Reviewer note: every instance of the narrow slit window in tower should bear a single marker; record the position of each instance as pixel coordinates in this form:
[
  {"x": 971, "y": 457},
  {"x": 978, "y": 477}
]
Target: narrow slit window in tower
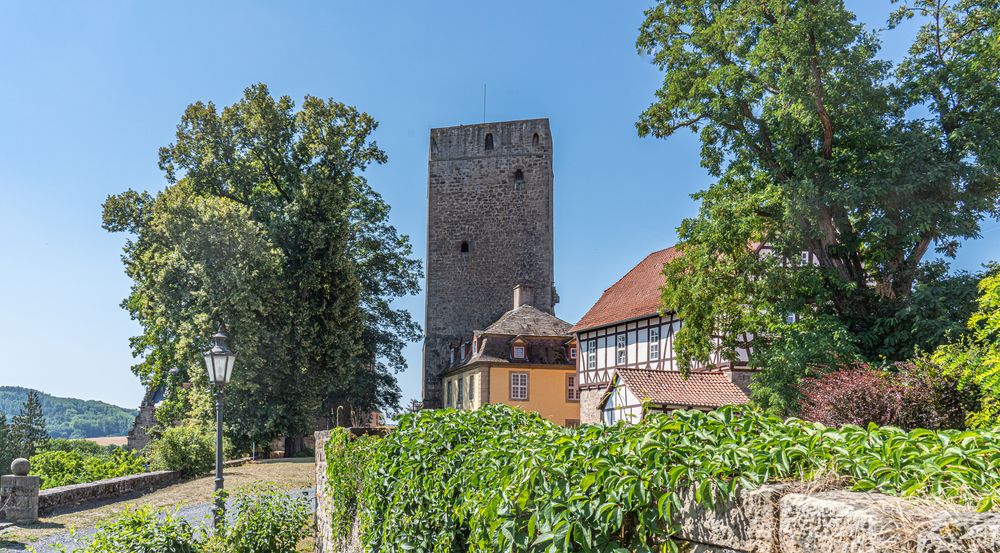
[
  {"x": 518, "y": 179},
  {"x": 534, "y": 140},
  {"x": 489, "y": 141},
  {"x": 464, "y": 249}
]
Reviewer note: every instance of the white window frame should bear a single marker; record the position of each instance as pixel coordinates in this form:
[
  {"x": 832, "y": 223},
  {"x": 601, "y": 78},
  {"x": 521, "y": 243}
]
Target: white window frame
[
  {"x": 572, "y": 352},
  {"x": 621, "y": 349},
  {"x": 475, "y": 346},
  {"x": 518, "y": 390},
  {"x": 654, "y": 343},
  {"x": 592, "y": 354}
]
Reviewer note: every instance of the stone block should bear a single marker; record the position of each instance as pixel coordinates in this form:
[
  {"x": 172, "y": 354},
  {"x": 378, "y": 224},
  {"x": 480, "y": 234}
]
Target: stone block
[
  {"x": 951, "y": 532},
  {"x": 747, "y": 522},
  {"x": 19, "y": 498},
  {"x": 847, "y": 522}
]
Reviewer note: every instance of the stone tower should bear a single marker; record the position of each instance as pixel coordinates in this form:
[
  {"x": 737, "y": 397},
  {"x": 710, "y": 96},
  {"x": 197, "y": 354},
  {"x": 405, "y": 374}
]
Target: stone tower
[{"x": 489, "y": 229}]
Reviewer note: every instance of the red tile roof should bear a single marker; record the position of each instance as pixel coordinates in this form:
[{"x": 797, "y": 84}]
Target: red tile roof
[
  {"x": 637, "y": 294},
  {"x": 701, "y": 389}
]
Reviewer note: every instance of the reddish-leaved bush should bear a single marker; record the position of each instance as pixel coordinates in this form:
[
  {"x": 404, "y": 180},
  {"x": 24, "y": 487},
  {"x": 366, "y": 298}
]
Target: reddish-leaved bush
[{"x": 905, "y": 394}]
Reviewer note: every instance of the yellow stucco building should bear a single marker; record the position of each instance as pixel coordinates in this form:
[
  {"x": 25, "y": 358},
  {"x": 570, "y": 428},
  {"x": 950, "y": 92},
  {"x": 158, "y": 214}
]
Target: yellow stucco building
[{"x": 525, "y": 359}]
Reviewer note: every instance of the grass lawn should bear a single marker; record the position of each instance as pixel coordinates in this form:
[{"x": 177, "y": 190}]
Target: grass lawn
[{"x": 290, "y": 473}]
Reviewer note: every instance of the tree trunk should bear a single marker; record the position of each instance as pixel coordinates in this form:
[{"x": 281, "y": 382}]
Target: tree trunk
[{"x": 293, "y": 446}]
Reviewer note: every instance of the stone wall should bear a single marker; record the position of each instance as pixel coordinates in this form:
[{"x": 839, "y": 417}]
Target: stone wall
[
  {"x": 785, "y": 519},
  {"x": 112, "y": 489},
  {"x": 590, "y": 403},
  {"x": 64, "y": 497},
  {"x": 498, "y": 203}
]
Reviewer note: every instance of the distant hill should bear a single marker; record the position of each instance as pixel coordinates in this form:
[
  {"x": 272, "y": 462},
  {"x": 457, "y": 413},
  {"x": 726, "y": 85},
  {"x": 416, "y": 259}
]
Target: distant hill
[{"x": 71, "y": 418}]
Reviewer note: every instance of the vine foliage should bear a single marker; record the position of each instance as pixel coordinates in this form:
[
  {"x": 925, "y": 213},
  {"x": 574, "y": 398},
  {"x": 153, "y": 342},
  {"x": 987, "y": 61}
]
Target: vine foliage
[{"x": 499, "y": 479}]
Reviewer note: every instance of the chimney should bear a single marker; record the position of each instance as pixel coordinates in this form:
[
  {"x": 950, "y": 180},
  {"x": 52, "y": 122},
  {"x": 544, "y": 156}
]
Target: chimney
[{"x": 523, "y": 295}]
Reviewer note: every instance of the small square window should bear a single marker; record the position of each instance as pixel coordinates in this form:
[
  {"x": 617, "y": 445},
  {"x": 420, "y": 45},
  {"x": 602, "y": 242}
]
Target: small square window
[{"x": 519, "y": 352}]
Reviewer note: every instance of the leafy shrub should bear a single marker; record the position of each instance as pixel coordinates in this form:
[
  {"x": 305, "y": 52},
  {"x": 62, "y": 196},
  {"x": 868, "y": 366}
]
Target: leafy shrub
[
  {"x": 975, "y": 359},
  {"x": 907, "y": 395},
  {"x": 498, "y": 479},
  {"x": 62, "y": 468},
  {"x": 267, "y": 520},
  {"x": 140, "y": 530},
  {"x": 188, "y": 449}
]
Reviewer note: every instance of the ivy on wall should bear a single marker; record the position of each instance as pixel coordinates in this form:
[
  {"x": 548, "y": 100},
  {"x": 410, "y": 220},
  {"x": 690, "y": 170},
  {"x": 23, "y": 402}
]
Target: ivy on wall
[{"x": 500, "y": 479}]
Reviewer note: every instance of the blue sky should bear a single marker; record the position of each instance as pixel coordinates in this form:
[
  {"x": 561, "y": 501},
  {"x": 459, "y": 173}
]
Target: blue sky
[{"x": 92, "y": 89}]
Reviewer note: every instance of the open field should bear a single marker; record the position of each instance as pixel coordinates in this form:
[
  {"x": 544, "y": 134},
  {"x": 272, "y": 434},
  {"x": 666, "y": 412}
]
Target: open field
[{"x": 191, "y": 498}]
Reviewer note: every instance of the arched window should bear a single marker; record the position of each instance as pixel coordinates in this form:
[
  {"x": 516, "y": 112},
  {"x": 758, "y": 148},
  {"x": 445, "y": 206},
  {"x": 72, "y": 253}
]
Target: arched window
[
  {"x": 518, "y": 179},
  {"x": 464, "y": 248},
  {"x": 489, "y": 141},
  {"x": 534, "y": 140}
]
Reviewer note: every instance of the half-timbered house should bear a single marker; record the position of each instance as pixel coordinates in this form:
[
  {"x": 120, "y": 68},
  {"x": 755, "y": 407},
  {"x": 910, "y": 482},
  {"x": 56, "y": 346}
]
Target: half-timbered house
[{"x": 626, "y": 347}]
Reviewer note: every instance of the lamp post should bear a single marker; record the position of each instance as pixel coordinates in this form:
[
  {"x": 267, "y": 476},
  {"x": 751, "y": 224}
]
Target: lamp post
[{"x": 219, "y": 361}]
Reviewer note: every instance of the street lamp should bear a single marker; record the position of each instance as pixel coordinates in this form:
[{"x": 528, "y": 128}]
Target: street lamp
[{"x": 219, "y": 361}]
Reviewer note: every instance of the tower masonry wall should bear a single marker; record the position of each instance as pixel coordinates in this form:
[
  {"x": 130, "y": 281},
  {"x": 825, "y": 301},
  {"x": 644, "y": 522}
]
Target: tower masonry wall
[{"x": 489, "y": 228}]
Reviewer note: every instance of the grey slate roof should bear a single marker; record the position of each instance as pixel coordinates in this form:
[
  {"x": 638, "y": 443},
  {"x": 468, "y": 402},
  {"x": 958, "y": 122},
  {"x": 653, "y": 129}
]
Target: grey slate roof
[{"x": 527, "y": 320}]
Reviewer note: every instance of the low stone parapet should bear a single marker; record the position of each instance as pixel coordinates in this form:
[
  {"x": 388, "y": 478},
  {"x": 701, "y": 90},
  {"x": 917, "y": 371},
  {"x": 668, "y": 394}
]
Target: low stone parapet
[{"x": 63, "y": 497}]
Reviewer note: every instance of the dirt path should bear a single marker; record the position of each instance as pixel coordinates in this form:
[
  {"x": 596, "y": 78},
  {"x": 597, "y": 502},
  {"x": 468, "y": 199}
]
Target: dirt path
[{"x": 192, "y": 499}]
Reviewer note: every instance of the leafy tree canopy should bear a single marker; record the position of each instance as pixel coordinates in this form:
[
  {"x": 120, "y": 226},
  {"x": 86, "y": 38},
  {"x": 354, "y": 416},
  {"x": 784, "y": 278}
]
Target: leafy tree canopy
[
  {"x": 267, "y": 224},
  {"x": 818, "y": 145}
]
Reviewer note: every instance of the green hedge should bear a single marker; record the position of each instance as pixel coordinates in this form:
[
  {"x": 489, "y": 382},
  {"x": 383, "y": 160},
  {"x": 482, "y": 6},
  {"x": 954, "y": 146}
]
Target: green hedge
[
  {"x": 499, "y": 479},
  {"x": 62, "y": 467}
]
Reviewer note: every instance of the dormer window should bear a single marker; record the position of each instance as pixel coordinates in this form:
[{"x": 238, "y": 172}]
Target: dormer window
[
  {"x": 572, "y": 352},
  {"x": 452, "y": 350},
  {"x": 475, "y": 346},
  {"x": 461, "y": 353},
  {"x": 519, "y": 352},
  {"x": 489, "y": 141}
]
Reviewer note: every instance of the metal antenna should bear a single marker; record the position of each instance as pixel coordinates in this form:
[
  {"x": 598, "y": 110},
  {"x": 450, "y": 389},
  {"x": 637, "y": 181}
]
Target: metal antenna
[{"x": 484, "y": 102}]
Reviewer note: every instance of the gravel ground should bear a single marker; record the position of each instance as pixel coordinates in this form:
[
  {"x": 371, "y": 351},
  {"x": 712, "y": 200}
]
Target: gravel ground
[{"x": 199, "y": 515}]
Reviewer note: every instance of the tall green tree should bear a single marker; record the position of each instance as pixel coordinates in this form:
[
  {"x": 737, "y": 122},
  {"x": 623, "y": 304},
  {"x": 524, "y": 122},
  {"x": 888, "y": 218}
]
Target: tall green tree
[
  {"x": 6, "y": 445},
  {"x": 268, "y": 225},
  {"x": 28, "y": 427},
  {"x": 819, "y": 146}
]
